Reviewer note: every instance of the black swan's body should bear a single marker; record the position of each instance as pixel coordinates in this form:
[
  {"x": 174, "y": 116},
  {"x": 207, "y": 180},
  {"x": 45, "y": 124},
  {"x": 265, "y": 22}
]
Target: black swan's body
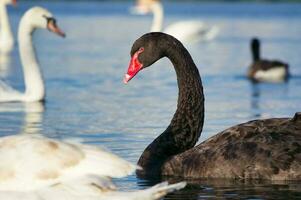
[
  {"x": 261, "y": 149},
  {"x": 266, "y": 70}
]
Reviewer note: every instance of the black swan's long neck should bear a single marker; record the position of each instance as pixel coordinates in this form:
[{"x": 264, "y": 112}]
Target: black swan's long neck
[
  {"x": 187, "y": 123},
  {"x": 255, "y": 48}
]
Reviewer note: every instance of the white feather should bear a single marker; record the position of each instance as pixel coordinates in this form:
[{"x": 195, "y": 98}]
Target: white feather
[
  {"x": 29, "y": 162},
  {"x": 91, "y": 188},
  {"x": 34, "y": 167}
]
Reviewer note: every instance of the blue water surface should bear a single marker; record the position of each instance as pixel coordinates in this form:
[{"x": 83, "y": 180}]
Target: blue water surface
[{"x": 87, "y": 100}]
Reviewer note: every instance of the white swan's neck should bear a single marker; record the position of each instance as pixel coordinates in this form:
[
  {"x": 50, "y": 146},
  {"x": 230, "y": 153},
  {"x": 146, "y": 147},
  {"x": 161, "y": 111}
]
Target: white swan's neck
[
  {"x": 34, "y": 84},
  {"x": 6, "y": 36},
  {"x": 158, "y": 13}
]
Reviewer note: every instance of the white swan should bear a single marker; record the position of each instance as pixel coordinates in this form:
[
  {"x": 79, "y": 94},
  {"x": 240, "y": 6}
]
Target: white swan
[
  {"x": 185, "y": 31},
  {"x": 35, "y": 167},
  {"x": 6, "y": 36},
  {"x": 34, "y": 86}
]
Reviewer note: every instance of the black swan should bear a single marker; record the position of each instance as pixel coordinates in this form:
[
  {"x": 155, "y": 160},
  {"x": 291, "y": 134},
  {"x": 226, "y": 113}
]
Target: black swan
[
  {"x": 260, "y": 149},
  {"x": 266, "y": 70}
]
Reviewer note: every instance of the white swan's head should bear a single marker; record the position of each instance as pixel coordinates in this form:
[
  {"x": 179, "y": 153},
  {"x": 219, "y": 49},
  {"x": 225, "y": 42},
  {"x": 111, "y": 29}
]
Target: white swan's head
[
  {"x": 144, "y": 6},
  {"x": 38, "y": 17},
  {"x": 9, "y": 2}
]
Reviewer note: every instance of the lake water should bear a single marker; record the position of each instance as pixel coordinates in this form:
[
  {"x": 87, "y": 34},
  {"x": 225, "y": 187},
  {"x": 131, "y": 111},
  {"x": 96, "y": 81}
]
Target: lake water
[{"x": 87, "y": 100}]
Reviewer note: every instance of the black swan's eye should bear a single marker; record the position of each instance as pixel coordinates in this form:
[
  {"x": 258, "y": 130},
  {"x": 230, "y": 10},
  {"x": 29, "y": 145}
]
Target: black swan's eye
[{"x": 141, "y": 49}]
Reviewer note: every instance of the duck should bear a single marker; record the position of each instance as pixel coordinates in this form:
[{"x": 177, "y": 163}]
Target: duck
[
  {"x": 35, "y": 167},
  {"x": 262, "y": 70},
  {"x": 190, "y": 31},
  {"x": 267, "y": 149},
  {"x": 35, "y": 18},
  {"x": 6, "y": 36}
]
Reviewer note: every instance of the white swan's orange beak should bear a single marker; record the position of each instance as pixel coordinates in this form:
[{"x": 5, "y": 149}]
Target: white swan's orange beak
[
  {"x": 134, "y": 67},
  {"x": 142, "y": 7},
  {"x": 14, "y": 2},
  {"x": 54, "y": 28},
  {"x": 139, "y": 10}
]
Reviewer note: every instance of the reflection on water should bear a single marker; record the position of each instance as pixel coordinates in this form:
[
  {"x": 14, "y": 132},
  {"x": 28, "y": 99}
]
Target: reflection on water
[
  {"x": 86, "y": 98},
  {"x": 259, "y": 90},
  {"x": 231, "y": 189},
  {"x": 263, "y": 94},
  {"x": 255, "y": 96},
  {"x": 33, "y": 117}
]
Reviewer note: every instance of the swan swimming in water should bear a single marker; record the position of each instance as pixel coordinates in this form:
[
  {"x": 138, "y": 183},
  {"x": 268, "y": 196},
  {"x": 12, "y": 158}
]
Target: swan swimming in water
[
  {"x": 185, "y": 31},
  {"x": 34, "y": 167},
  {"x": 34, "y": 85},
  {"x": 260, "y": 149}
]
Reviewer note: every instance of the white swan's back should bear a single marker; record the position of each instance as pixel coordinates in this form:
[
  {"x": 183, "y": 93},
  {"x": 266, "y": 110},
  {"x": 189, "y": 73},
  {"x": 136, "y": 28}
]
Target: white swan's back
[
  {"x": 29, "y": 162},
  {"x": 34, "y": 167},
  {"x": 191, "y": 31},
  {"x": 185, "y": 31}
]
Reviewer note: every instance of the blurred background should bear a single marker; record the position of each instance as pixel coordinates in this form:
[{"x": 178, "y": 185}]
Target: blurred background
[{"x": 87, "y": 100}]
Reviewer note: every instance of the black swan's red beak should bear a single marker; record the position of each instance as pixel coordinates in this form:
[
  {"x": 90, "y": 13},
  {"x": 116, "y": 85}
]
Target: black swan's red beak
[{"x": 134, "y": 67}]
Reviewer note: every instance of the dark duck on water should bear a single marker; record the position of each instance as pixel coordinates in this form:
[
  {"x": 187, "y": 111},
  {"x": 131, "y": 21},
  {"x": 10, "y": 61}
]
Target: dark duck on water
[{"x": 262, "y": 70}]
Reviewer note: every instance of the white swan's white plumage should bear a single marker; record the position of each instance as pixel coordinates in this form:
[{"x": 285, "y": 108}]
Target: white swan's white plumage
[
  {"x": 191, "y": 31},
  {"x": 29, "y": 162},
  {"x": 5, "y": 63},
  {"x": 91, "y": 187},
  {"x": 35, "y": 167},
  {"x": 185, "y": 31},
  {"x": 6, "y": 35},
  {"x": 33, "y": 19}
]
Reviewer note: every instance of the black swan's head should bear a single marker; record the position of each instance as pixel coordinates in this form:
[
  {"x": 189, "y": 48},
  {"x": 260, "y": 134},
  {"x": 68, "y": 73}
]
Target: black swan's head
[
  {"x": 146, "y": 50},
  {"x": 255, "y": 43}
]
